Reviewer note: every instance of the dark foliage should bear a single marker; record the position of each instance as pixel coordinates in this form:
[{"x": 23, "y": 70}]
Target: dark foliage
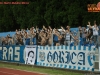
[{"x": 55, "y": 13}]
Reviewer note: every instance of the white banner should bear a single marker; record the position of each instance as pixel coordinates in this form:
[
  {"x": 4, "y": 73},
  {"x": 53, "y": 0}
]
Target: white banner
[
  {"x": 79, "y": 59},
  {"x": 30, "y": 54}
]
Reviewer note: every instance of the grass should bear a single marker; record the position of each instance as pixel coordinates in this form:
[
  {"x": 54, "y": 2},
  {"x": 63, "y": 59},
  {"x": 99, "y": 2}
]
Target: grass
[{"x": 48, "y": 71}]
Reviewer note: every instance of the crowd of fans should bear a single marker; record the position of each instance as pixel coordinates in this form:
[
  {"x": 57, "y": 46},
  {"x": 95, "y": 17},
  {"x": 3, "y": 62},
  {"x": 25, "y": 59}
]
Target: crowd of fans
[{"x": 89, "y": 35}]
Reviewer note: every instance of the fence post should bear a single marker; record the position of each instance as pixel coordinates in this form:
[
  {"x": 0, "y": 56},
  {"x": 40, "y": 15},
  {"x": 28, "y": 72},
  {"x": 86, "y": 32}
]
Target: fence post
[{"x": 96, "y": 62}]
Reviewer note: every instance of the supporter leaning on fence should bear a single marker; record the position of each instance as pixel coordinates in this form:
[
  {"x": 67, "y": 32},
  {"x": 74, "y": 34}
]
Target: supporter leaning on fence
[
  {"x": 55, "y": 37},
  {"x": 95, "y": 32},
  {"x": 67, "y": 36},
  {"x": 98, "y": 39},
  {"x": 90, "y": 34},
  {"x": 80, "y": 31},
  {"x": 49, "y": 37},
  {"x": 4, "y": 41},
  {"x": 84, "y": 35},
  {"x": 33, "y": 37},
  {"x": 62, "y": 36},
  {"x": 8, "y": 40},
  {"x": 75, "y": 40}
]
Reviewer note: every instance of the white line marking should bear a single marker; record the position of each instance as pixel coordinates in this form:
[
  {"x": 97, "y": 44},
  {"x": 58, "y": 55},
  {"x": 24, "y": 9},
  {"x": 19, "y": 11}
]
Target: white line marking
[
  {"x": 8, "y": 73},
  {"x": 24, "y": 70}
]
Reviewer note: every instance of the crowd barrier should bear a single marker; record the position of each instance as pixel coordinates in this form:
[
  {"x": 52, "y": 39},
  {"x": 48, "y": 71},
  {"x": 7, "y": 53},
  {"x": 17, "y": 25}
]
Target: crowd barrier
[{"x": 68, "y": 57}]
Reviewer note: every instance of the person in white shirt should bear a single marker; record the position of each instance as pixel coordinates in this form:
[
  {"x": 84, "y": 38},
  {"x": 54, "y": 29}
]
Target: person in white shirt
[
  {"x": 95, "y": 32},
  {"x": 67, "y": 38}
]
